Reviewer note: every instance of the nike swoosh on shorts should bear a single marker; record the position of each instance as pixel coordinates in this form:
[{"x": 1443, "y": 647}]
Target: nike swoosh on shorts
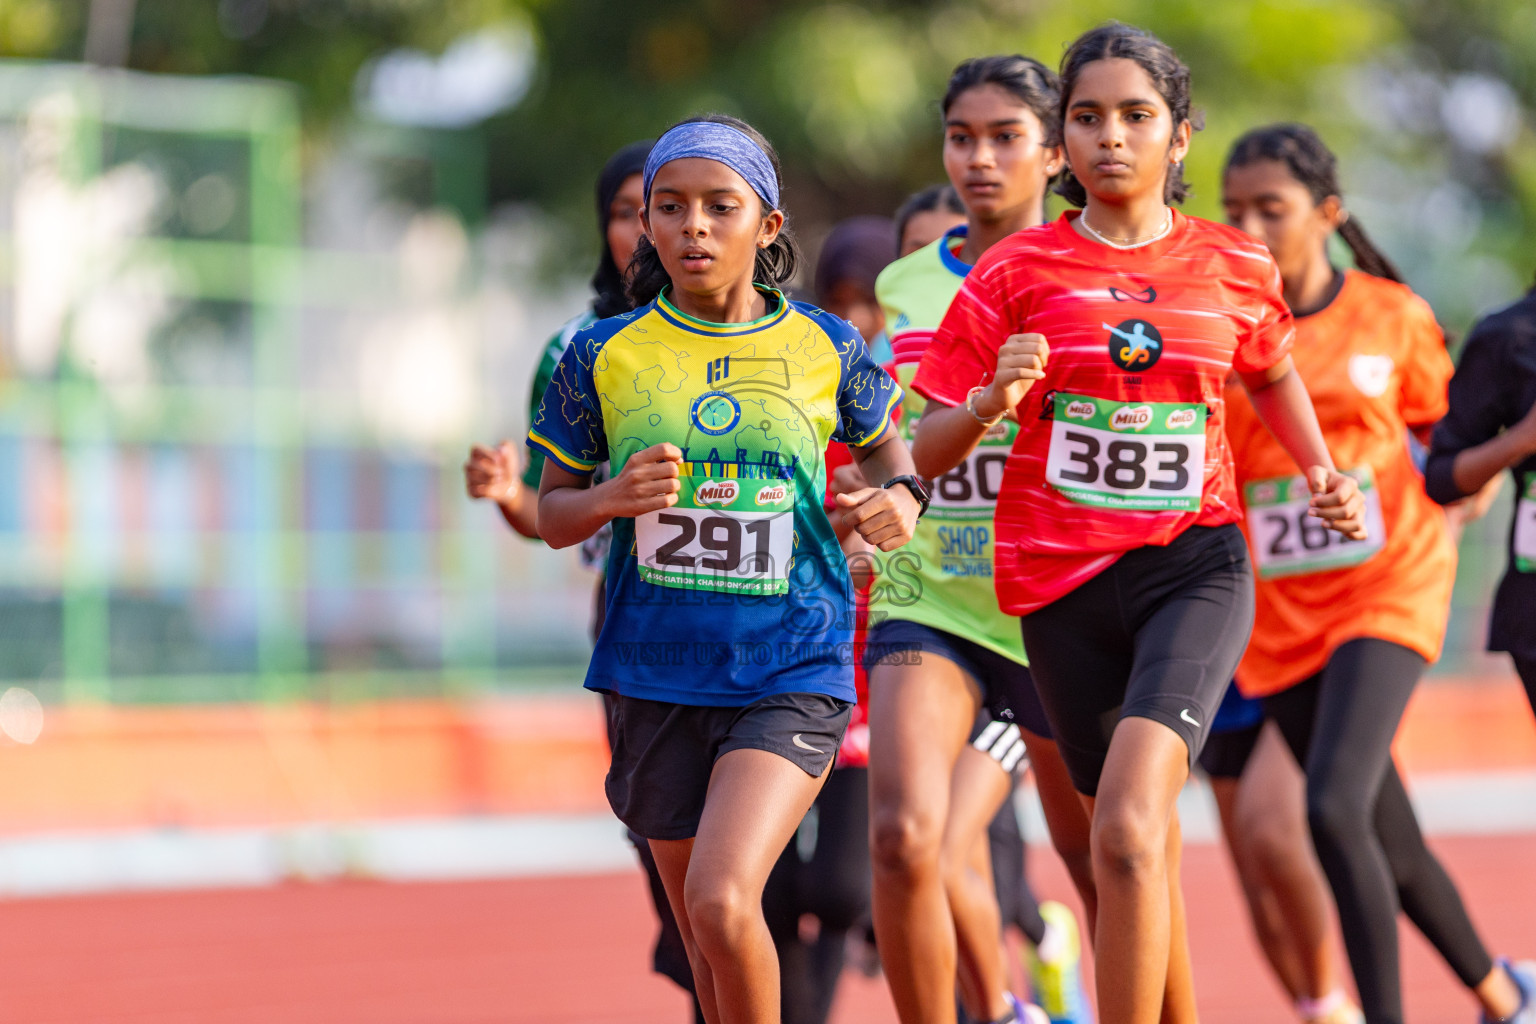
[
  {"x": 803, "y": 745},
  {"x": 1186, "y": 717}
]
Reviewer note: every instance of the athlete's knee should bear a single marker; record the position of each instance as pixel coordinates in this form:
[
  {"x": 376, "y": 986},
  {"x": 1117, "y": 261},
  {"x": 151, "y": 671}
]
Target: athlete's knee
[
  {"x": 1335, "y": 815},
  {"x": 958, "y": 875},
  {"x": 720, "y": 913},
  {"x": 1075, "y": 848},
  {"x": 905, "y": 842},
  {"x": 1128, "y": 844}
]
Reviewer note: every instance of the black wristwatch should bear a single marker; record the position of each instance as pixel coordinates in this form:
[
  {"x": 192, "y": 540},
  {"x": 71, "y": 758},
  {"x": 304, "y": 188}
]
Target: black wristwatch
[{"x": 916, "y": 486}]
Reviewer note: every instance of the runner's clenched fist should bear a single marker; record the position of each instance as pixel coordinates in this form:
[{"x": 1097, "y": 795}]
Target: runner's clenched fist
[
  {"x": 648, "y": 482},
  {"x": 1337, "y": 501},
  {"x": 883, "y": 516},
  {"x": 1020, "y": 362}
]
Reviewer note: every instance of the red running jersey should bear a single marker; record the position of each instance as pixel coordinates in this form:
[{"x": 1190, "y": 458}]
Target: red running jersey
[{"x": 1123, "y": 443}]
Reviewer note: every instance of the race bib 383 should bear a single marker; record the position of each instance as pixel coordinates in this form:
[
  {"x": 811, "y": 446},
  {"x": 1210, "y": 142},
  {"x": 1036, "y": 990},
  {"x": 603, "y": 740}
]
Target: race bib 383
[{"x": 1128, "y": 456}]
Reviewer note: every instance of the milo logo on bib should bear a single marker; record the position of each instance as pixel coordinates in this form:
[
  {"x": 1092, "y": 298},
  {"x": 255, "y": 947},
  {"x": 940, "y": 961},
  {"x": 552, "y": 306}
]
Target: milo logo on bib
[
  {"x": 1127, "y": 456},
  {"x": 731, "y": 534},
  {"x": 1131, "y": 418},
  {"x": 1181, "y": 418},
  {"x": 772, "y": 495},
  {"x": 721, "y": 492}
]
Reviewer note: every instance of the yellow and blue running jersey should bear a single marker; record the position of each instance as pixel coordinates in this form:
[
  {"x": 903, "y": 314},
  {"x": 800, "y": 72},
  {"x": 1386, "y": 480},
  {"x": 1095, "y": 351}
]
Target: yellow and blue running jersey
[{"x": 739, "y": 591}]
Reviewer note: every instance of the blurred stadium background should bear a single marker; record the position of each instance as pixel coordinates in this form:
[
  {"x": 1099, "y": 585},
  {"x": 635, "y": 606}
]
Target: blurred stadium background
[{"x": 269, "y": 267}]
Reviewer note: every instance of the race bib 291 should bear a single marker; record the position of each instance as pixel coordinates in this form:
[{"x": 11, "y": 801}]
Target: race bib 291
[{"x": 724, "y": 534}]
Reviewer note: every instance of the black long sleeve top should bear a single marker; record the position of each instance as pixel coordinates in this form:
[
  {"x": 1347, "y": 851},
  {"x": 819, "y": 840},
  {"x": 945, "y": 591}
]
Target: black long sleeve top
[{"x": 1494, "y": 387}]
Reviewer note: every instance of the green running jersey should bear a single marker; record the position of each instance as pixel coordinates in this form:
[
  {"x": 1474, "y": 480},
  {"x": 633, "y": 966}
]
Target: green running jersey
[{"x": 943, "y": 576}]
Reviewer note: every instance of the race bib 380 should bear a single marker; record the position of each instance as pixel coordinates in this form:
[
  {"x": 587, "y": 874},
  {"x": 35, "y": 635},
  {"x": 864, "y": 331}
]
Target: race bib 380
[
  {"x": 1128, "y": 456},
  {"x": 724, "y": 534}
]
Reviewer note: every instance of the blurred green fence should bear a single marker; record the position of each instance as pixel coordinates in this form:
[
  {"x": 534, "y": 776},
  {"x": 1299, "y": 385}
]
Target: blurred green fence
[{"x": 215, "y": 478}]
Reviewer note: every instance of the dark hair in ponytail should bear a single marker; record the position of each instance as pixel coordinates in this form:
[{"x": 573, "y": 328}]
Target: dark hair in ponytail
[
  {"x": 1169, "y": 75},
  {"x": 1313, "y": 165},
  {"x": 1033, "y": 83},
  {"x": 776, "y": 264}
]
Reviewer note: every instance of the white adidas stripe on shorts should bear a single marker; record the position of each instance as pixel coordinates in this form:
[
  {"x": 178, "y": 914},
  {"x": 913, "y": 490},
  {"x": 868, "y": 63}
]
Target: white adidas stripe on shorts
[{"x": 1003, "y": 743}]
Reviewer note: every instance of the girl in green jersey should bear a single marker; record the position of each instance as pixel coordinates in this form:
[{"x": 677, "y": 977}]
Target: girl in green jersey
[{"x": 950, "y": 694}]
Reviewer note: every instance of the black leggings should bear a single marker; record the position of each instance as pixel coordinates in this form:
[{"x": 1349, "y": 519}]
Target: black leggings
[
  {"x": 1340, "y": 724},
  {"x": 1015, "y": 900}
]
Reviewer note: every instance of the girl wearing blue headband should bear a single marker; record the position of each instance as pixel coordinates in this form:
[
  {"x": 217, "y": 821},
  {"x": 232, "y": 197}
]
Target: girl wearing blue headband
[
  {"x": 727, "y": 644},
  {"x": 748, "y": 162}
]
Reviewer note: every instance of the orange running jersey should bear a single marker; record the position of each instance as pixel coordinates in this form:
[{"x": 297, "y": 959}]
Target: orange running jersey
[
  {"x": 1123, "y": 443},
  {"x": 1375, "y": 364}
]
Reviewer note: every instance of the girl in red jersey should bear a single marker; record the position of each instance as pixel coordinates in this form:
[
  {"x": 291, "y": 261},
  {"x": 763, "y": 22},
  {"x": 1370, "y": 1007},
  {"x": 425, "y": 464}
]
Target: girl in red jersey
[
  {"x": 1344, "y": 630},
  {"x": 1117, "y": 541}
]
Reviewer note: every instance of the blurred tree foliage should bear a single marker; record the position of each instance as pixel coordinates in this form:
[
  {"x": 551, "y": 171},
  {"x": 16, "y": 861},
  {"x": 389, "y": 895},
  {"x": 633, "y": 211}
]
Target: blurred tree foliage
[{"x": 1426, "y": 100}]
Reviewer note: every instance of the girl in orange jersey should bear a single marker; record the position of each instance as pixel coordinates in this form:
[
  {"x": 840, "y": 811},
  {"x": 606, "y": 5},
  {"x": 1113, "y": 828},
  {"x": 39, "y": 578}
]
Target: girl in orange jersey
[
  {"x": 1344, "y": 628},
  {"x": 1109, "y": 335}
]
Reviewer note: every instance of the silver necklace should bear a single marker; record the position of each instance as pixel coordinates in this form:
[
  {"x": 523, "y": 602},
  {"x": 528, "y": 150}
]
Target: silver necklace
[{"x": 1135, "y": 243}]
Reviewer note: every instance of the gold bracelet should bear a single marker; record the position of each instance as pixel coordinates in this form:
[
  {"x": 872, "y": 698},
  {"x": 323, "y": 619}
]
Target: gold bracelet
[{"x": 970, "y": 407}]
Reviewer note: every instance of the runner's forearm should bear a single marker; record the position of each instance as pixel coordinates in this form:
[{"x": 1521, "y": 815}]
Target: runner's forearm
[
  {"x": 1475, "y": 466},
  {"x": 945, "y": 435},
  {"x": 522, "y": 511},
  {"x": 569, "y": 510},
  {"x": 1286, "y": 409},
  {"x": 884, "y": 459}
]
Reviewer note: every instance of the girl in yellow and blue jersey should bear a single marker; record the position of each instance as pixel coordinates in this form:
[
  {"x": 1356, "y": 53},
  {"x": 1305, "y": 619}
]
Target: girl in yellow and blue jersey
[{"x": 728, "y": 634}]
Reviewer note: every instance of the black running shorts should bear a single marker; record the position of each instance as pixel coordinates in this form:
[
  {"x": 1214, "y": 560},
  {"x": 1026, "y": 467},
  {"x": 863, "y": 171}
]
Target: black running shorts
[
  {"x": 1007, "y": 688},
  {"x": 1233, "y": 736},
  {"x": 1156, "y": 635},
  {"x": 1226, "y": 754},
  {"x": 663, "y": 753}
]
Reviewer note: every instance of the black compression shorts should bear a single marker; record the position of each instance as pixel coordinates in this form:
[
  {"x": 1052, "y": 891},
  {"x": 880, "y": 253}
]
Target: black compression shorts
[{"x": 1156, "y": 635}]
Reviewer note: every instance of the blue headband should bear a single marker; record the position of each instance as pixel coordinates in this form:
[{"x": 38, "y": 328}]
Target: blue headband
[{"x": 714, "y": 141}]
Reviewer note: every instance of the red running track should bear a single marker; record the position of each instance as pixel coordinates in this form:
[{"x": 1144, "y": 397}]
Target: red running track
[{"x": 558, "y": 951}]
